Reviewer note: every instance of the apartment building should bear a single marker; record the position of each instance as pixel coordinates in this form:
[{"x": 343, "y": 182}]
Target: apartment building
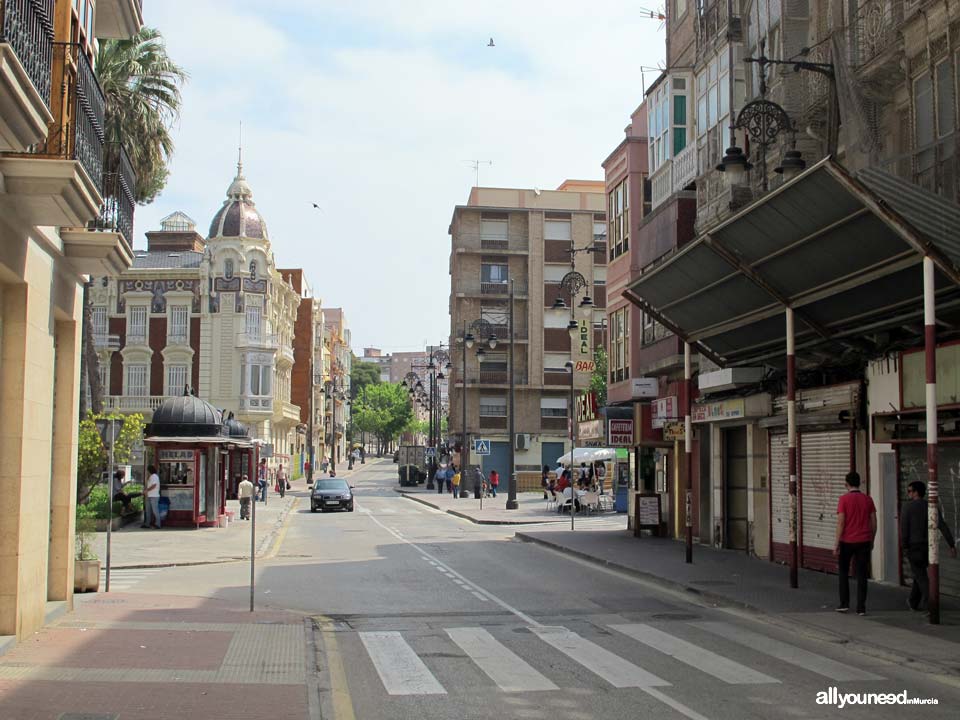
[
  {"x": 66, "y": 211},
  {"x": 383, "y": 362},
  {"x": 208, "y": 315},
  {"x": 811, "y": 126},
  {"x": 306, "y": 379},
  {"x": 507, "y": 239},
  {"x": 338, "y": 365}
]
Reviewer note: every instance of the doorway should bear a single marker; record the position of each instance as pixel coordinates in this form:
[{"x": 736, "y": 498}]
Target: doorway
[{"x": 735, "y": 487}]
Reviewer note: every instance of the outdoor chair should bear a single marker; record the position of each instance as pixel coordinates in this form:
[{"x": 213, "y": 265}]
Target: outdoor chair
[
  {"x": 591, "y": 501},
  {"x": 551, "y": 501}
]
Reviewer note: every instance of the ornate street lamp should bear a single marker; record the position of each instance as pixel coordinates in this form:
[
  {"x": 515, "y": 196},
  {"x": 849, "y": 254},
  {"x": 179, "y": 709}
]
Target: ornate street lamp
[{"x": 109, "y": 432}]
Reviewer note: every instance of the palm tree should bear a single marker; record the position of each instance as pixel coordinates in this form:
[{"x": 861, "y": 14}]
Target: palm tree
[{"x": 141, "y": 86}]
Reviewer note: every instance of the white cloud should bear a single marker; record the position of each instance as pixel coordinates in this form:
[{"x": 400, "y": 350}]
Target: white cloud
[{"x": 372, "y": 116}]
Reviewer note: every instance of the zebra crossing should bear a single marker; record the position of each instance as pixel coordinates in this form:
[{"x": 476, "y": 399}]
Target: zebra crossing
[
  {"x": 125, "y": 578},
  {"x": 403, "y": 672}
]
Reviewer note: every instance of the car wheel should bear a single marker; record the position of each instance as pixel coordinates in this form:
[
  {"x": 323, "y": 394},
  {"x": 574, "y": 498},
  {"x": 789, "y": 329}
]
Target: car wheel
[
  {"x": 313, "y": 508},
  {"x": 350, "y": 507}
]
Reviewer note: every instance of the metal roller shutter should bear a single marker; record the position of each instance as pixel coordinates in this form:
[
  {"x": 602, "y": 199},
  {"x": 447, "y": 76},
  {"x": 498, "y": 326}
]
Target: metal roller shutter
[
  {"x": 913, "y": 466},
  {"x": 779, "y": 499},
  {"x": 824, "y": 463}
]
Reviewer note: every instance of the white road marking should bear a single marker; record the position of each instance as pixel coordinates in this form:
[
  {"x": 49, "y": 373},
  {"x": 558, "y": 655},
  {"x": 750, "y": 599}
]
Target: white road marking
[
  {"x": 787, "y": 653},
  {"x": 479, "y": 596},
  {"x": 732, "y": 673},
  {"x": 510, "y": 672},
  {"x": 400, "y": 669},
  {"x": 614, "y": 669}
]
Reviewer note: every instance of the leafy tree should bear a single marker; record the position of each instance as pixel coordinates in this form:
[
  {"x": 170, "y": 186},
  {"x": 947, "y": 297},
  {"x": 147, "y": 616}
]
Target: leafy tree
[
  {"x": 92, "y": 456},
  {"x": 141, "y": 86},
  {"x": 363, "y": 374},
  {"x": 384, "y": 411},
  {"x": 598, "y": 380}
]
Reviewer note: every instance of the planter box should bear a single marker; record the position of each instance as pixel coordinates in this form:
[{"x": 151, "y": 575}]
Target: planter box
[
  {"x": 118, "y": 522},
  {"x": 86, "y": 575}
]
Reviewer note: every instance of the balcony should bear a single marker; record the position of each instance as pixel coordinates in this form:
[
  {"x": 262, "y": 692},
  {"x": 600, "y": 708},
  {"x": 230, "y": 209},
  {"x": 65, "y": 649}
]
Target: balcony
[
  {"x": 178, "y": 337},
  {"x": 254, "y": 405},
  {"x": 286, "y": 353},
  {"x": 260, "y": 341},
  {"x": 661, "y": 184},
  {"x": 103, "y": 341},
  {"x": 474, "y": 242},
  {"x": 136, "y": 338},
  {"x": 494, "y": 377},
  {"x": 877, "y": 44},
  {"x": 118, "y": 19},
  {"x": 26, "y": 58},
  {"x": 59, "y": 181},
  {"x": 502, "y": 332},
  {"x": 493, "y": 422},
  {"x": 289, "y": 411},
  {"x": 491, "y": 289},
  {"x": 685, "y": 167},
  {"x": 134, "y": 403},
  {"x": 555, "y": 424},
  {"x": 717, "y": 26}
]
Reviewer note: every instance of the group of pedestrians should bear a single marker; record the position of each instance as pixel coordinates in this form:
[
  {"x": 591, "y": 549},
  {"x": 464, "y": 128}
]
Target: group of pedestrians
[
  {"x": 857, "y": 529},
  {"x": 449, "y": 477}
]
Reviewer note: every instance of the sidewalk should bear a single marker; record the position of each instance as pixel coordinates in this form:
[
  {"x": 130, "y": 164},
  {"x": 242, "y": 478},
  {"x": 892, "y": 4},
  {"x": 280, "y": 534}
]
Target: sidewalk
[
  {"x": 732, "y": 579},
  {"x": 135, "y": 547},
  {"x": 532, "y": 508},
  {"x": 155, "y": 658}
]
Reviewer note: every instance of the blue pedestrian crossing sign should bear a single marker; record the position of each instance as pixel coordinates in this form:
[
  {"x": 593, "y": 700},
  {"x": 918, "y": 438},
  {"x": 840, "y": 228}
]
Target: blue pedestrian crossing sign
[
  {"x": 481, "y": 447},
  {"x": 431, "y": 452}
]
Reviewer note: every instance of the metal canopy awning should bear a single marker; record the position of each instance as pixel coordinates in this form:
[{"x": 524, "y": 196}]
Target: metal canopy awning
[{"x": 844, "y": 253}]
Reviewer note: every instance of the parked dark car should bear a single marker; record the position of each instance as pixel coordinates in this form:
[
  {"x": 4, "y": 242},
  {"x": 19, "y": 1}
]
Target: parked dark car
[{"x": 331, "y": 494}]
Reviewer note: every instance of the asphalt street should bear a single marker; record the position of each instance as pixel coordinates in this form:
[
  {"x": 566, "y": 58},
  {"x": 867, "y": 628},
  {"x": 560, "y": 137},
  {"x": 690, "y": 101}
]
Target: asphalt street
[{"x": 418, "y": 614}]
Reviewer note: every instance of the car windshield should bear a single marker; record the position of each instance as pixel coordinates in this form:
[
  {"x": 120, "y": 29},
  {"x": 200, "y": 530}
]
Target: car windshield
[{"x": 331, "y": 485}]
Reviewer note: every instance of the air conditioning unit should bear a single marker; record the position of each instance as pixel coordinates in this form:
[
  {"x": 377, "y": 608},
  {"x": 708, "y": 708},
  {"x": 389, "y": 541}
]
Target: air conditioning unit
[{"x": 522, "y": 442}]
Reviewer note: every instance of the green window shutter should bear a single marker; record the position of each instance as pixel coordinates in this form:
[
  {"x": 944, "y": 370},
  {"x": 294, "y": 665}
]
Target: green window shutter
[
  {"x": 679, "y": 140},
  {"x": 679, "y": 109}
]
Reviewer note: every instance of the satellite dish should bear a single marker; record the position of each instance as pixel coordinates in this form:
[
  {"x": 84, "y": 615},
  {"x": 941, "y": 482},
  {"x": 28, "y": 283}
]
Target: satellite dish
[{"x": 536, "y": 191}]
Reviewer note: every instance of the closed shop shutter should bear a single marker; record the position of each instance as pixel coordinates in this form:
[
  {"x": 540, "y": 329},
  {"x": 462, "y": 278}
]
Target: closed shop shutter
[
  {"x": 779, "y": 499},
  {"x": 824, "y": 464},
  {"x": 913, "y": 466}
]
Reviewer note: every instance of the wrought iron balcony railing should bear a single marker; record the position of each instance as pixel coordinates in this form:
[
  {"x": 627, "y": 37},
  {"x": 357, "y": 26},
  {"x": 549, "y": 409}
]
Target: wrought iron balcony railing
[
  {"x": 119, "y": 186},
  {"x": 78, "y": 129},
  {"x": 27, "y": 25},
  {"x": 876, "y": 29}
]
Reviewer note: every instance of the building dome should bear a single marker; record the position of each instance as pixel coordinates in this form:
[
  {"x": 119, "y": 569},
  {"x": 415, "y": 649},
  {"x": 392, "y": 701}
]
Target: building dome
[
  {"x": 239, "y": 216},
  {"x": 186, "y": 416},
  {"x": 236, "y": 429}
]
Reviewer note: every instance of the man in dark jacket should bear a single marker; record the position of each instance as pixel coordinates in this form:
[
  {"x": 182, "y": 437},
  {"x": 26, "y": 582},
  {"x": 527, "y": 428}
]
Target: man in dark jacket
[{"x": 913, "y": 536}]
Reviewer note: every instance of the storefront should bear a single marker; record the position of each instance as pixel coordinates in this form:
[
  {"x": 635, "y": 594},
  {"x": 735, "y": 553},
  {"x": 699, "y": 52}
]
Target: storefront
[
  {"x": 192, "y": 448},
  {"x": 827, "y": 444}
]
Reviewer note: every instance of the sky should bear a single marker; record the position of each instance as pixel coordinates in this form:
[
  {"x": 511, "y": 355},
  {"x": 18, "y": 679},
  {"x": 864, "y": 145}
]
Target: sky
[{"x": 372, "y": 109}]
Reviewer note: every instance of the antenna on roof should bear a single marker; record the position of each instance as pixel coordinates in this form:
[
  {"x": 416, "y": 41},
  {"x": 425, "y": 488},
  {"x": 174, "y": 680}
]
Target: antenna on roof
[{"x": 476, "y": 168}]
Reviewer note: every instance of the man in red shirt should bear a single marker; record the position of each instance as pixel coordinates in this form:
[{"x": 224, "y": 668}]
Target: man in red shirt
[{"x": 856, "y": 528}]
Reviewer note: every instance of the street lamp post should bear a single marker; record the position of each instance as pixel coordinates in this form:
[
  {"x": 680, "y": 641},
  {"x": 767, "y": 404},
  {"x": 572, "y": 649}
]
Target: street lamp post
[
  {"x": 512, "y": 503},
  {"x": 481, "y": 326},
  {"x": 107, "y": 429}
]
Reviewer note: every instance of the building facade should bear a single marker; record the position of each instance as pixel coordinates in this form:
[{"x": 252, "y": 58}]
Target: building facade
[
  {"x": 211, "y": 316},
  {"x": 338, "y": 364},
  {"x": 66, "y": 211},
  {"x": 505, "y": 238},
  {"x": 304, "y": 387}
]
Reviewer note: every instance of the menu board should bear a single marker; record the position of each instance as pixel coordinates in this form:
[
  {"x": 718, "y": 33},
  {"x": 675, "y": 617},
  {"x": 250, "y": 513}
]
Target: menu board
[
  {"x": 648, "y": 511},
  {"x": 181, "y": 498}
]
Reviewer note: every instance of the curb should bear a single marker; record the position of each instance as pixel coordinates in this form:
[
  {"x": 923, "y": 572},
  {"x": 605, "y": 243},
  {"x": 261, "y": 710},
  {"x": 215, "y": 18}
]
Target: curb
[
  {"x": 464, "y": 516},
  {"x": 261, "y": 548},
  {"x": 809, "y": 629}
]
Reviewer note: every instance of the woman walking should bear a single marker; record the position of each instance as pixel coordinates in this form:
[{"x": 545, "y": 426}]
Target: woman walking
[{"x": 494, "y": 482}]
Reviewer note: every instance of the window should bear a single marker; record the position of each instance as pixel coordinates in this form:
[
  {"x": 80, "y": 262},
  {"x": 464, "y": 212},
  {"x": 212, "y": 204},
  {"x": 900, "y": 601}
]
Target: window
[
  {"x": 494, "y": 361},
  {"x": 553, "y": 407},
  {"x": 619, "y": 356},
  {"x": 619, "y": 220},
  {"x": 556, "y": 230},
  {"x": 495, "y": 314},
  {"x": 680, "y": 9},
  {"x": 923, "y": 120},
  {"x": 600, "y": 231},
  {"x": 555, "y": 362},
  {"x": 494, "y": 273},
  {"x": 945, "y": 99},
  {"x": 599, "y": 275},
  {"x": 176, "y": 379},
  {"x": 137, "y": 328},
  {"x": 493, "y": 229},
  {"x": 259, "y": 377},
  {"x": 493, "y": 406},
  {"x": 98, "y": 315},
  {"x": 103, "y": 371},
  {"x": 179, "y": 323},
  {"x": 137, "y": 380},
  {"x": 228, "y": 268},
  {"x": 713, "y": 109},
  {"x": 254, "y": 325},
  {"x": 253, "y": 269}
]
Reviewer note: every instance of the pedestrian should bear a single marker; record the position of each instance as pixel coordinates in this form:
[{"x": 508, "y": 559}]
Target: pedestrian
[
  {"x": 455, "y": 481},
  {"x": 914, "y": 536},
  {"x": 324, "y": 464},
  {"x": 601, "y": 474},
  {"x": 281, "y": 483},
  {"x": 440, "y": 477},
  {"x": 478, "y": 481},
  {"x": 494, "y": 482},
  {"x": 151, "y": 492},
  {"x": 119, "y": 494},
  {"x": 261, "y": 481},
  {"x": 564, "y": 480},
  {"x": 245, "y": 495},
  {"x": 545, "y": 481},
  {"x": 448, "y": 476},
  {"x": 583, "y": 471},
  {"x": 856, "y": 528}
]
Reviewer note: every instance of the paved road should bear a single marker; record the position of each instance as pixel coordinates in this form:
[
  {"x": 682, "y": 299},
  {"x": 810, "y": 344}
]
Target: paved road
[{"x": 418, "y": 614}]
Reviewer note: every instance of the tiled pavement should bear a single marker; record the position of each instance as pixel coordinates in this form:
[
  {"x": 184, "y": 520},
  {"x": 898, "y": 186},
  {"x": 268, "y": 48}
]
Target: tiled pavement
[{"x": 133, "y": 656}]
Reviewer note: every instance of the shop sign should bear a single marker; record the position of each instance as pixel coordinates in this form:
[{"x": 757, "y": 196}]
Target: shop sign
[
  {"x": 586, "y": 407},
  {"x": 621, "y": 432},
  {"x": 722, "y": 410},
  {"x": 583, "y": 340},
  {"x": 175, "y": 455},
  {"x": 664, "y": 409},
  {"x": 644, "y": 388},
  {"x": 648, "y": 512},
  {"x": 674, "y": 431},
  {"x": 590, "y": 430},
  {"x": 586, "y": 366}
]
